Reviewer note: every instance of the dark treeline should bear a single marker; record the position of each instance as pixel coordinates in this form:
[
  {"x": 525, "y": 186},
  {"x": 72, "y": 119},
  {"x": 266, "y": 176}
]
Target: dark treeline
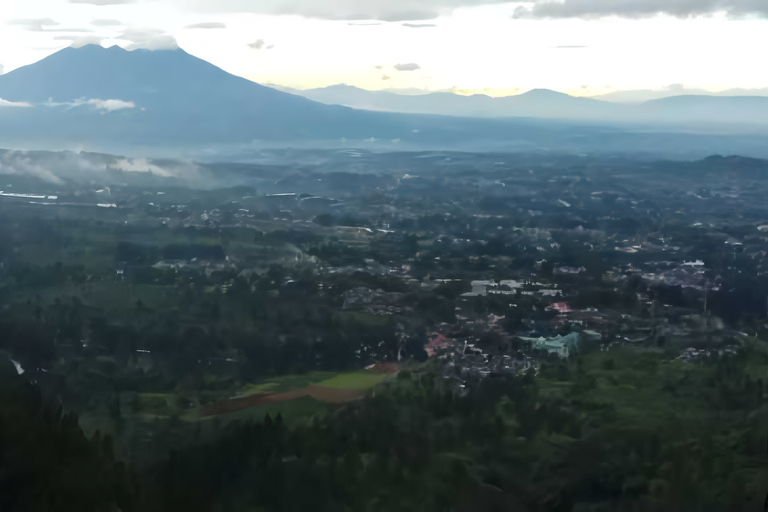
[{"x": 573, "y": 438}]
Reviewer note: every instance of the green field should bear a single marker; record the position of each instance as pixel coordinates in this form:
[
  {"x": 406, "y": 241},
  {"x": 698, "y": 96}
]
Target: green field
[
  {"x": 292, "y": 411},
  {"x": 353, "y": 380},
  {"x": 286, "y": 383}
]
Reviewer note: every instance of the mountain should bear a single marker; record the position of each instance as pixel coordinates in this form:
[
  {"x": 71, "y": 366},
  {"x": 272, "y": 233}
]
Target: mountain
[
  {"x": 689, "y": 110},
  {"x": 540, "y": 103},
  {"x": 744, "y": 110},
  {"x": 107, "y": 99},
  {"x": 642, "y": 95},
  {"x": 170, "y": 103},
  {"x": 98, "y": 95}
]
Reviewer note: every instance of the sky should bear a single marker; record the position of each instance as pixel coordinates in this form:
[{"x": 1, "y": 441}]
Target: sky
[{"x": 581, "y": 47}]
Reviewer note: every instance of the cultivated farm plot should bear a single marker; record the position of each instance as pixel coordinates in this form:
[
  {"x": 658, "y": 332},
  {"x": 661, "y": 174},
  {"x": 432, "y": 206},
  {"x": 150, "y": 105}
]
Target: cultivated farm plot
[{"x": 322, "y": 387}]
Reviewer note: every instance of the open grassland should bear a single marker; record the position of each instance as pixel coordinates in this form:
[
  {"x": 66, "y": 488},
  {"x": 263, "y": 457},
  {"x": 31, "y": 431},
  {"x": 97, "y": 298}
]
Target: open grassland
[{"x": 353, "y": 380}]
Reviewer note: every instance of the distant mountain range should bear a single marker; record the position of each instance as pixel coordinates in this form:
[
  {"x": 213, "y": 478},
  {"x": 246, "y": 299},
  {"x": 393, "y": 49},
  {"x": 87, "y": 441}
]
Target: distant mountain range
[
  {"x": 156, "y": 102},
  {"x": 641, "y": 95},
  {"x": 654, "y": 107}
]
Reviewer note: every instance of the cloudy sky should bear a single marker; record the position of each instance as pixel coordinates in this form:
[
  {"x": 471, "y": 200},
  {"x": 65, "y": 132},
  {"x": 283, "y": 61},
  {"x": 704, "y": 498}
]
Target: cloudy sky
[{"x": 581, "y": 47}]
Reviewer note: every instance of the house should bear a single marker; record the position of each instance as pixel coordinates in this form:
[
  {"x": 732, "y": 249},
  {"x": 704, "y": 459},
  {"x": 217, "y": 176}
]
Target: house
[{"x": 560, "y": 345}]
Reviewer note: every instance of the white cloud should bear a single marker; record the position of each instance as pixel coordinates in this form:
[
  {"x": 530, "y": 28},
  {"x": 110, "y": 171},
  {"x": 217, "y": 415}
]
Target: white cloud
[
  {"x": 106, "y": 23},
  {"x": 34, "y": 24},
  {"x": 148, "y": 39},
  {"x": 638, "y": 8},
  {"x": 18, "y": 163},
  {"x": 419, "y": 25},
  {"x": 6, "y": 103},
  {"x": 382, "y": 10},
  {"x": 257, "y": 45},
  {"x": 80, "y": 41},
  {"x": 410, "y": 66},
  {"x": 111, "y": 105},
  {"x": 75, "y": 30},
  {"x": 102, "y": 2},
  {"x": 2, "y": 68},
  {"x": 207, "y": 25},
  {"x": 140, "y": 165}
]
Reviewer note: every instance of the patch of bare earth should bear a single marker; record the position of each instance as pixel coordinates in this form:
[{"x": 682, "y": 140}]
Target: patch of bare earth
[{"x": 321, "y": 393}]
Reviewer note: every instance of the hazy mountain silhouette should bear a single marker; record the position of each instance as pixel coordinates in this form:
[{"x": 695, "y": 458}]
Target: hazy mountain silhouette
[
  {"x": 541, "y": 103},
  {"x": 177, "y": 98},
  {"x": 99, "y": 98},
  {"x": 106, "y": 99},
  {"x": 641, "y": 95},
  {"x": 695, "y": 106}
]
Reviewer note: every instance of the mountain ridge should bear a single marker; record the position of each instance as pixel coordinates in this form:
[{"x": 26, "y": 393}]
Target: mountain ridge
[{"x": 152, "y": 102}]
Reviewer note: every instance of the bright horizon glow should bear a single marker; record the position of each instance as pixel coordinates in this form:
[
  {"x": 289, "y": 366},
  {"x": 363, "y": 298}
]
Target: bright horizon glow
[{"x": 478, "y": 49}]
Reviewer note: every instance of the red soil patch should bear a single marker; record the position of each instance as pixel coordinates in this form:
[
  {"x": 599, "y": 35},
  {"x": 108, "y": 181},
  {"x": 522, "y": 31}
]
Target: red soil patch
[{"x": 321, "y": 393}]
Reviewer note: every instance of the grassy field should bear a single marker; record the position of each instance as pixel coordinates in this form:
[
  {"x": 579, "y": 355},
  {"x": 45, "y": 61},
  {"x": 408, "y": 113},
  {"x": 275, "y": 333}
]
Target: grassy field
[
  {"x": 354, "y": 380},
  {"x": 292, "y": 411},
  {"x": 285, "y": 383}
]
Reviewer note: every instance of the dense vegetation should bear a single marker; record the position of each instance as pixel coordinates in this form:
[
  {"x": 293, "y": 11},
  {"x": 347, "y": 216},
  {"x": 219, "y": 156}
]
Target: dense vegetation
[{"x": 347, "y": 335}]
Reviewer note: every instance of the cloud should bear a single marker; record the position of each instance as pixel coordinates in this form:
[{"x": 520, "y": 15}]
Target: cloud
[
  {"x": 350, "y": 10},
  {"x": 570, "y": 46},
  {"x": 101, "y": 2},
  {"x": 109, "y": 105},
  {"x": 413, "y": 12},
  {"x": 257, "y": 45},
  {"x": 419, "y": 25},
  {"x": 148, "y": 39},
  {"x": 270, "y": 47},
  {"x": 384, "y": 77},
  {"x": 140, "y": 165},
  {"x": 207, "y": 24},
  {"x": 34, "y": 24},
  {"x": 106, "y": 23},
  {"x": 378, "y": 67},
  {"x": 18, "y": 163},
  {"x": 76, "y": 30},
  {"x": 80, "y": 41},
  {"x": 364, "y": 24},
  {"x": 638, "y": 8},
  {"x": 411, "y": 66},
  {"x": 7, "y": 103},
  {"x": 2, "y": 68}
]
